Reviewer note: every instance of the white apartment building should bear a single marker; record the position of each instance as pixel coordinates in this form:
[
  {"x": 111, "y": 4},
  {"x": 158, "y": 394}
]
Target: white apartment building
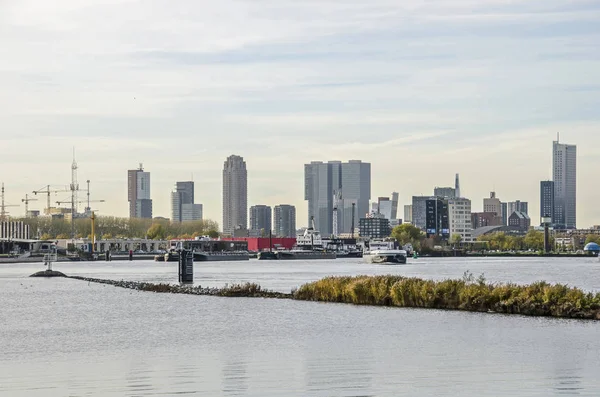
[{"x": 459, "y": 218}]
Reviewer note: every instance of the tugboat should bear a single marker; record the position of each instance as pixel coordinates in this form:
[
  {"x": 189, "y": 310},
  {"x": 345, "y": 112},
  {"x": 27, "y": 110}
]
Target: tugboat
[
  {"x": 384, "y": 252},
  {"x": 270, "y": 254}
]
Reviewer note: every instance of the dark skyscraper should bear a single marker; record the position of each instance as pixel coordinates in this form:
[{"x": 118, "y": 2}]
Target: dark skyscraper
[
  {"x": 285, "y": 221},
  {"x": 564, "y": 168},
  {"x": 437, "y": 218},
  {"x": 547, "y": 199},
  {"x": 260, "y": 218}
]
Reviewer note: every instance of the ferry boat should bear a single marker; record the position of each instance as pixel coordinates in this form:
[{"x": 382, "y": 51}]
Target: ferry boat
[{"x": 384, "y": 252}]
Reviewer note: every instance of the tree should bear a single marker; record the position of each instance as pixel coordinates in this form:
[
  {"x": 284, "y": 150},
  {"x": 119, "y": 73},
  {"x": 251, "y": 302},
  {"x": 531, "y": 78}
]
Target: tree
[
  {"x": 156, "y": 232},
  {"x": 592, "y": 238},
  {"x": 534, "y": 240},
  {"x": 456, "y": 239},
  {"x": 408, "y": 234},
  {"x": 213, "y": 233}
]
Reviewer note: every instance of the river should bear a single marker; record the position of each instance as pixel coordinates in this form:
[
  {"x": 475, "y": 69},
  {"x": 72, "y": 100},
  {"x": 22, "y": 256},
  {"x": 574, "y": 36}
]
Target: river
[{"x": 63, "y": 337}]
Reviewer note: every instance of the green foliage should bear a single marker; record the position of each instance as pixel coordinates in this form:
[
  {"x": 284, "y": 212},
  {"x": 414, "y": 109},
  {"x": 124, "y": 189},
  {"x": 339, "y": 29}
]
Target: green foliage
[
  {"x": 156, "y": 232},
  {"x": 109, "y": 227},
  {"x": 456, "y": 239},
  {"x": 501, "y": 241},
  {"x": 592, "y": 238},
  {"x": 408, "y": 233},
  {"x": 470, "y": 294}
]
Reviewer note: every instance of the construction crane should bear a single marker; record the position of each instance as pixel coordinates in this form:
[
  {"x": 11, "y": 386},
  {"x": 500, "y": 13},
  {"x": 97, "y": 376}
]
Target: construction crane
[
  {"x": 337, "y": 197},
  {"x": 26, "y": 200},
  {"x": 46, "y": 189},
  {"x": 80, "y": 202},
  {"x": 3, "y": 212}
]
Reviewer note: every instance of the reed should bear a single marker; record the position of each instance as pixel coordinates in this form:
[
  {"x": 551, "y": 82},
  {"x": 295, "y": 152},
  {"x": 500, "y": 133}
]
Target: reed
[{"x": 469, "y": 294}]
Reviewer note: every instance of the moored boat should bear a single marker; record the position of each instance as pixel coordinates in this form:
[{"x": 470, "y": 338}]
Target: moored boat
[{"x": 384, "y": 252}]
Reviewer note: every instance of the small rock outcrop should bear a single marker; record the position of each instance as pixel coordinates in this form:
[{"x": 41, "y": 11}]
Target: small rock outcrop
[{"x": 48, "y": 273}]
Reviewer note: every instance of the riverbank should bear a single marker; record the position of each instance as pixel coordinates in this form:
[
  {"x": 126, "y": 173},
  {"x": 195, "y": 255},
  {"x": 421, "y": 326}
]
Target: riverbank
[{"x": 538, "y": 299}]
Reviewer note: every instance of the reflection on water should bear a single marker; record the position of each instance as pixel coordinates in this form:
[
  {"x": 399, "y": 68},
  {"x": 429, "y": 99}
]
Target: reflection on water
[
  {"x": 65, "y": 337},
  {"x": 235, "y": 375}
]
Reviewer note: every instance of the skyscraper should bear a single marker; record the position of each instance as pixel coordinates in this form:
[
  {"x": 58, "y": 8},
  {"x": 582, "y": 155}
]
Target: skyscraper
[
  {"x": 260, "y": 218},
  {"x": 183, "y": 207},
  {"x": 235, "y": 194},
  {"x": 547, "y": 199},
  {"x": 285, "y": 221},
  {"x": 564, "y": 169},
  {"x": 138, "y": 193},
  {"x": 457, "y": 191},
  {"x": 324, "y": 180},
  {"x": 517, "y": 206}
]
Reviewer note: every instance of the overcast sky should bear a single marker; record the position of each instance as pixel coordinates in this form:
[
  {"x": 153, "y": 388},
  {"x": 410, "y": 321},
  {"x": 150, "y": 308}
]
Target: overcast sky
[{"x": 422, "y": 90}]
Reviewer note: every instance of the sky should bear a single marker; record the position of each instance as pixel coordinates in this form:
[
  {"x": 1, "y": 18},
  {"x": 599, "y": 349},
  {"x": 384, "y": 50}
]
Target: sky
[{"x": 420, "y": 89}]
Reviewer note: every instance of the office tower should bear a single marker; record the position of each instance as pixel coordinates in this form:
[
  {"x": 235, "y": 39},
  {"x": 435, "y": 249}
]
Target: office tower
[
  {"x": 183, "y": 208},
  {"x": 547, "y": 199},
  {"x": 419, "y": 211},
  {"x": 323, "y": 181},
  {"x": 437, "y": 218},
  {"x": 492, "y": 204},
  {"x": 285, "y": 221},
  {"x": 408, "y": 209},
  {"x": 138, "y": 193},
  {"x": 517, "y": 206},
  {"x": 260, "y": 218},
  {"x": 459, "y": 213},
  {"x": 388, "y": 207},
  {"x": 564, "y": 167},
  {"x": 235, "y": 194},
  {"x": 504, "y": 215},
  {"x": 444, "y": 192}
]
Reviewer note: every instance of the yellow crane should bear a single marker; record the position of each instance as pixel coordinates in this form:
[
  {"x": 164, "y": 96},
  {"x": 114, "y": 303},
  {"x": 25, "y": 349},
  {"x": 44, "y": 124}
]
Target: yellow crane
[{"x": 46, "y": 189}]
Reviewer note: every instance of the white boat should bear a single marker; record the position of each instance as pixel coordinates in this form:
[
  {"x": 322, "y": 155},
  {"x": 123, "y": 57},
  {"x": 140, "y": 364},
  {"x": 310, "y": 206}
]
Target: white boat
[{"x": 384, "y": 252}]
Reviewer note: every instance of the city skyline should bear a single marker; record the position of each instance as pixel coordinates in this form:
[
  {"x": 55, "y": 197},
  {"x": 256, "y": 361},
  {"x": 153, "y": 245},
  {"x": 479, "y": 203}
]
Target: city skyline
[{"x": 419, "y": 90}]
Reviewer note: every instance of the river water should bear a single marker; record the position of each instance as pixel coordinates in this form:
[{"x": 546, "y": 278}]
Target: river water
[{"x": 63, "y": 337}]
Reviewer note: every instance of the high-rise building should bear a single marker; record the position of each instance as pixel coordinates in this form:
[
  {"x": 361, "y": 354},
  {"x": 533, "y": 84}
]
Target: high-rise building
[
  {"x": 505, "y": 214},
  {"x": 457, "y": 191},
  {"x": 235, "y": 194},
  {"x": 459, "y": 213},
  {"x": 564, "y": 168},
  {"x": 547, "y": 199},
  {"x": 323, "y": 181},
  {"x": 408, "y": 210},
  {"x": 285, "y": 221},
  {"x": 437, "y": 218},
  {"x": 183, "y": 208},
  {"x": 260, "y": 218},
  {"x": 419, "y": 211},
  {"x": 444, "y": 192},
  {"x": 517, "y": 206},
  {"x": 138, "y": 193},
  {"x": 388, "y": 207},
  {"x": 492, "y": 204}
]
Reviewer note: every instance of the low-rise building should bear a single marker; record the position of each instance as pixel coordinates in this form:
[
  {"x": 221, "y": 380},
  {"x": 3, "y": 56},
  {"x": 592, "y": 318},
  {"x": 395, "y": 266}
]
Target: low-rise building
[
  {"x": 483, "y": 219},
  {"x": 519, "y": 220},
  {"x": 374, "y": 227}
]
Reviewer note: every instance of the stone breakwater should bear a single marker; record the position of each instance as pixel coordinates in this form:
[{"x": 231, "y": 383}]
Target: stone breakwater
[{"x": 247, "y": 290}]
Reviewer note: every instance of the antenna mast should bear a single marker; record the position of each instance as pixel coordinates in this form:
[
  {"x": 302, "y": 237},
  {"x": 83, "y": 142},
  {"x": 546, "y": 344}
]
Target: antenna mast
[{"x": 74, "y": 189}]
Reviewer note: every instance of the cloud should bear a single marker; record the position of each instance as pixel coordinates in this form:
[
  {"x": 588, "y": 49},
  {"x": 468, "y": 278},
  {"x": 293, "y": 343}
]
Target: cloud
[{"x": 420, "y": 89}]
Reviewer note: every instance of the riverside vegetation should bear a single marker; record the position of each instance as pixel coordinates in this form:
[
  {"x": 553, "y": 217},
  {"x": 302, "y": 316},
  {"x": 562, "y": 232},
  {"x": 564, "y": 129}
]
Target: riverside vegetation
[{"x": 467, "y": 294}]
